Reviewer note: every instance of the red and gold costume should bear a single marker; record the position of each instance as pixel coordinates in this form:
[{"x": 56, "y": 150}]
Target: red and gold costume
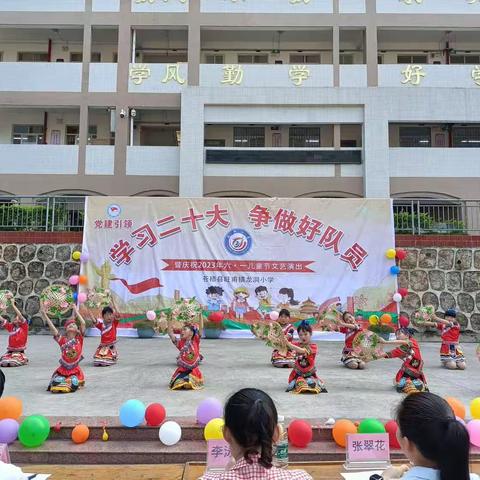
[
  {"x": 68, "y": 377},
  {"x": 410, "y": 377},
  {"x": 450, "y": 349},
  {"x": 303, "y": 378},
  {"x": 187, "y": 376},
  {"x": 17, "y": 344},
  {"x": 348, "y": 355},
  {"x": 287, "y": 360},
  {"x": 106, "y": 353}
]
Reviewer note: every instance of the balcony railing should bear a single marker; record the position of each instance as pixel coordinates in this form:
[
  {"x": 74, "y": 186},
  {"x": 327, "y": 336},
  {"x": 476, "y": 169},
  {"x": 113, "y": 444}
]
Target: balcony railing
[
  {"x": 266, "y": 6},
  {"x": 160, "y": 6},
  {"x": 425, "y": 6},
  {"x": 42, "y": 6}
]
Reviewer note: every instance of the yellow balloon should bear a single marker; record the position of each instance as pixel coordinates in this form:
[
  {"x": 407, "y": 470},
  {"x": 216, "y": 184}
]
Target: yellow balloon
[
  {"x": 373, "y": 319},
  {"x": 76, "y": 255},
  {"x": 475, "y": 408},
  {"x": 391, "y": 253},
  {"x": 214, "y": 429}
]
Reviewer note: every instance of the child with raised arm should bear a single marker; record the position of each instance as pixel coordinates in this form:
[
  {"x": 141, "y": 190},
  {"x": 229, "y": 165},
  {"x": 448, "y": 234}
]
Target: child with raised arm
[
  {"x": 17, "y": 339},
  {"x": 68, "y": 377},
  {"x": 106, "y": 353},
  {"x": 350, "y": 328}
]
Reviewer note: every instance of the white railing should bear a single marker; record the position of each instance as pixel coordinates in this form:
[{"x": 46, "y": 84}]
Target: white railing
[
  {"x": 266, "y": 6},
  {"x": 100, "y": 160},
  {"x": 153, "y": 161},
  {"x": 103, "y": 77},
  {"x": 157, "y": 77},
  {"x": 428, "y": 6},
  {"x": 352, "y": 6},
  {"x": 353, "y": 75},
  {"x": 149, "y": 6},
  {"x": 42, "y": 5},
  {"x": 106, "y": 5}
]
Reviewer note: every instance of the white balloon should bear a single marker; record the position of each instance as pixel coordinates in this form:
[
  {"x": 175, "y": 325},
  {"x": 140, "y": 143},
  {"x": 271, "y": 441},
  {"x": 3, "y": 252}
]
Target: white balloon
[
  {"x": 274, "y": 315},
  {"x": 170, "y": 433},
  {"x": 397, "y": 297}
]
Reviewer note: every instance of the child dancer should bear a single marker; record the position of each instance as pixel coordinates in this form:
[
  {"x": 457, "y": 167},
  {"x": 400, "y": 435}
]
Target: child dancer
[
  {"x": 350, "y": 328},
  {"x": 303, "y": 378},
  {"x": 287, "y": 360},
  {"x": 187, "y": 376},
  {"x": 410, "y": 378},
  {"x": 106, "y": 353},
  {"x": 17, "y": 340},
  {"x": 451, "y": 355},
  {"x": 68, "y": 377}
]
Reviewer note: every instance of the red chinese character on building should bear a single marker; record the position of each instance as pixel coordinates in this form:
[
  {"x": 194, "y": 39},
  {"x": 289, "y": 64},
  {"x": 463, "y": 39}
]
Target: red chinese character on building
[
  {"x": 217, "y": 213},
  {"x": 331, "y": 239},
  {"x": 192, "y": 218},
  {"x": 309, "y": 228},
  {"x": 285, "y": 221},
  {"x": 354, "y": 256},
  {"x": 145, "y": 235},
  {"x": 121, "y": 253},
  {"x": 171, "y": 231},
  {"x": 259, "y": 216}
]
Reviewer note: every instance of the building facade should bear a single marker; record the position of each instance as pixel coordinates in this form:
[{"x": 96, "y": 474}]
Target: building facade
[{"x": 293, "y": 98}]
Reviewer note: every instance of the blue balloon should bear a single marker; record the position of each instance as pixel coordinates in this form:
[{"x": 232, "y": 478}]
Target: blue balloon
[
  {"x": 394, "y": 270},
  {"x": 75, "y": 297},
  {"x": 132, "y": 413}
]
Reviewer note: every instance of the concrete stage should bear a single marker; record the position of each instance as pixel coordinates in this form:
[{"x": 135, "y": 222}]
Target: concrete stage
[{"x": 145, "y": 367}]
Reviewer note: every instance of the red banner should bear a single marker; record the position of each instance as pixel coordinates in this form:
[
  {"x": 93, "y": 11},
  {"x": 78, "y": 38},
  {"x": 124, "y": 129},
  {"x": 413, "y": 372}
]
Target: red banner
[{"x": 142, "y": 286}]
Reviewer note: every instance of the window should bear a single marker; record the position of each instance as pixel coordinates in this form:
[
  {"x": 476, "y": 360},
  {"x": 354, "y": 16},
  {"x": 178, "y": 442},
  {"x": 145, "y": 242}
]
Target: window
[
  {"x": 301, "y": 59},
  {"x": 209, "y": 142},
  {"x": 253, "y": 58},
  {"x": 216, "y": 58},
  {"x": 348, "y": 143},
  {"x": 415, "y": 137},
  {"x": 465, "y": 59},
  {"x": 1, "y": 56},
  {"x": 346, "y": 59},
  {"x": 412, "y": 58},
  {"x": 115, "y": 57},
  {"x": 304, "y": 137},
  {"x": 95, "y": 57},
  {"x": 249, "y": 136},
  {"x": 32, "y": 57},
  {"x": 380, "y": 59},
  {"x": 466, "y": 137},
  {"x": 72, "y": 133},
  {"x": 23, "y": 134}
]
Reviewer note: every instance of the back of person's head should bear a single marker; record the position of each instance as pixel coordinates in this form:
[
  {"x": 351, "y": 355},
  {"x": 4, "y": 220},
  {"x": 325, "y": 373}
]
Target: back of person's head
[
  {"x": 428, "y": 422},
  {"x": 251, "y": 418}
]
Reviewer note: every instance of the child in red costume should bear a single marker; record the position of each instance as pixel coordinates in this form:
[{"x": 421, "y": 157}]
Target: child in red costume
[
  {"x": 350, "y": 328},
  {"x": 106, "y": 353},
  {"x": 17, "y": 339}
]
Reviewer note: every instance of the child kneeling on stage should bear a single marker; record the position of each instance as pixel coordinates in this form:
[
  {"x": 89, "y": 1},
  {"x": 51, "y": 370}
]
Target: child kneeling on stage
[
  {"x": 350, "y": 328},
  {"x": 106, "y": 353},
  {"x": 187, "y": 376},
  {"x": 17, "y": 339},
  {"x": 278, "y": 359},
  {"x": 303, "y": 378},
  {"x": 68, "y": 377},
  {"x": 251, "y": 429}
]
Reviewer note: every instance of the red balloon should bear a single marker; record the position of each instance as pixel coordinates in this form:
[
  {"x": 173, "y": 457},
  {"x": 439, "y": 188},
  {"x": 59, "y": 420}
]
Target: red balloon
[
  {"x": 404, "y": 322},
  {"x": 401, "y": 254},
  {"x": 391, "y": 427},
  {"x": 155, "y": 414},
  {"x": 216, "y": 317},
  {"x": 300, "y": 433},
  {"x": 403, "y": 292}
]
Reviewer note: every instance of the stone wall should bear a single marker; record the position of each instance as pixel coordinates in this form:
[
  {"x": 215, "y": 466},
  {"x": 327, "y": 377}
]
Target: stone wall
[
  {"x": 27, "y": 269},
  {"x": 445, "y": 278}
]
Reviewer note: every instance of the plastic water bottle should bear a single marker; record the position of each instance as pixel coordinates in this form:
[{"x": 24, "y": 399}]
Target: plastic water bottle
[{"x": 280, "y": 449}]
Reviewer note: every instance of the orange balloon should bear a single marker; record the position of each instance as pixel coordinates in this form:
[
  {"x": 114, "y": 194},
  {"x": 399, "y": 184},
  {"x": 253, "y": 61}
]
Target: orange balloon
[
  {"x": 10, "y": 407},
  {"x": 80, "y": 433},
  {"x": 83, "y": 279},
  {"x": 458, "y": 407},
  {"x": 340, "y": 431},
  {"x": 386, "y": 318}
]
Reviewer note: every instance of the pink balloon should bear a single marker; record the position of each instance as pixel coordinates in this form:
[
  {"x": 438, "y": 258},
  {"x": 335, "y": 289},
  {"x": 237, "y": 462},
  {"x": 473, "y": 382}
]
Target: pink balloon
[
  {"x": 151, "y": 315},
  {"x": 82, "y": 297},
  {"x": 473, "y": 428},
  {"x": 274, "y": 315},
  {"x": 74, "y": 280}
]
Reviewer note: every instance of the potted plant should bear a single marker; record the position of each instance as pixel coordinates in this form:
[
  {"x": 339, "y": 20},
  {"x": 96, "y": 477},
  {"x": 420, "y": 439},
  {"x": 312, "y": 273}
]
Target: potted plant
[
  {"x": 382, "y": 330},
  {"x": 145, "y": 329},
  {"x": 213, "y": 330}
]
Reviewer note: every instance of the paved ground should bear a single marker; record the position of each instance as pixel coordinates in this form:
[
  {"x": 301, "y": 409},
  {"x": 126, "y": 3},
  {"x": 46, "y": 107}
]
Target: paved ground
[{"x": 145, "y": 367}]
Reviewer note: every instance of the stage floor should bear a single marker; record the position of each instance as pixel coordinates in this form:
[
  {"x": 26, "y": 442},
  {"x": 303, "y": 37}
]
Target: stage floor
[{"x": 145, "y": 367}]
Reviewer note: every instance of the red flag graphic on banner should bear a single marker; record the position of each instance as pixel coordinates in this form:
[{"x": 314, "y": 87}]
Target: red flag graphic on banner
[{"x": 142, "y": 286}]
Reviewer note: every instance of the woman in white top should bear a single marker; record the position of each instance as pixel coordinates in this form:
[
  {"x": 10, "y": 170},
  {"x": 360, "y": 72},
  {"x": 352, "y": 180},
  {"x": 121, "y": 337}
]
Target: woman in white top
[{"x": 434, "y": 441}]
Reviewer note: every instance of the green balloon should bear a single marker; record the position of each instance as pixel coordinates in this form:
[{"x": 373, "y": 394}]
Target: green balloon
[
  {"x": 371, "y": 425},
  {"x": 33, "y": 431}
]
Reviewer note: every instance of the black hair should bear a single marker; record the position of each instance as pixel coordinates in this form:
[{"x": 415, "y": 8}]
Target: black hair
[
  {"x": 251, "y": 417},
  {"x": 284, "y": 312},
  {"x": 304, "y": 327},
  {"x": 2, "y": 382},
  {"x": 344, "y": 314},
  {"x": 211, "y": 290},
  {"x": 410, "y": 332},
  {"x": 192, "y": 328},
  {"x": 107, "y": 310},
  {"x": 290, "y": 293},
  {"x": 261, "y": 288},
  {"x": 451, "y": 313},
  {"x": 428, "y": 421}
]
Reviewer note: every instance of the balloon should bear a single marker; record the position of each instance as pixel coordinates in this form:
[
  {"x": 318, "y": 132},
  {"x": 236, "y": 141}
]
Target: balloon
[
  {"x": 10, "y": 407},
  {"x": 33, "y": 431},
  {"x": 8, "y": 430},
  {"x": 457, "y": 406},
  {"x": 132, "y": 413},
  {"x": 215, "y": 317},
  {"x": 300, "y": 433},
  {"x": 82, "y": 297},
  {"x": 373, "y": 319},
  {"x": 391, "y": 427},
  {"x": 462, "y": 421},
  {"x": 170, "y": 433},
  {"x": 74, "y": 280},
  {"x": 214, "y": 429},
  {"x": 274, "y": 315},
  {"x": 371, "y": 425},
  {"x": 151, "y": 315},
  {"x": 475, "y": 408},
  {"x": 403, "y": 321},
  {"x": 75, "y": 296},
  {"x": 401, "y": 254},
  {"x": 403, "y": 292},
  {"x": 80, "y": 433},
  {"x": 394, "y": 270},
  {"x": 340, "y": 431},
  {"x": 76, "y": 255},
  {"x": 473, "y": 428},
  {"x": 83, "y": 279},
  {"x": 155, "y": 414},
  {"x": 397, "y": 297},
  {"x": 209, "y": 409},
  {"x": 391, "y": 253},
  {"x": 385, "y": 318},
  {"x": 84, "y": 257}
]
